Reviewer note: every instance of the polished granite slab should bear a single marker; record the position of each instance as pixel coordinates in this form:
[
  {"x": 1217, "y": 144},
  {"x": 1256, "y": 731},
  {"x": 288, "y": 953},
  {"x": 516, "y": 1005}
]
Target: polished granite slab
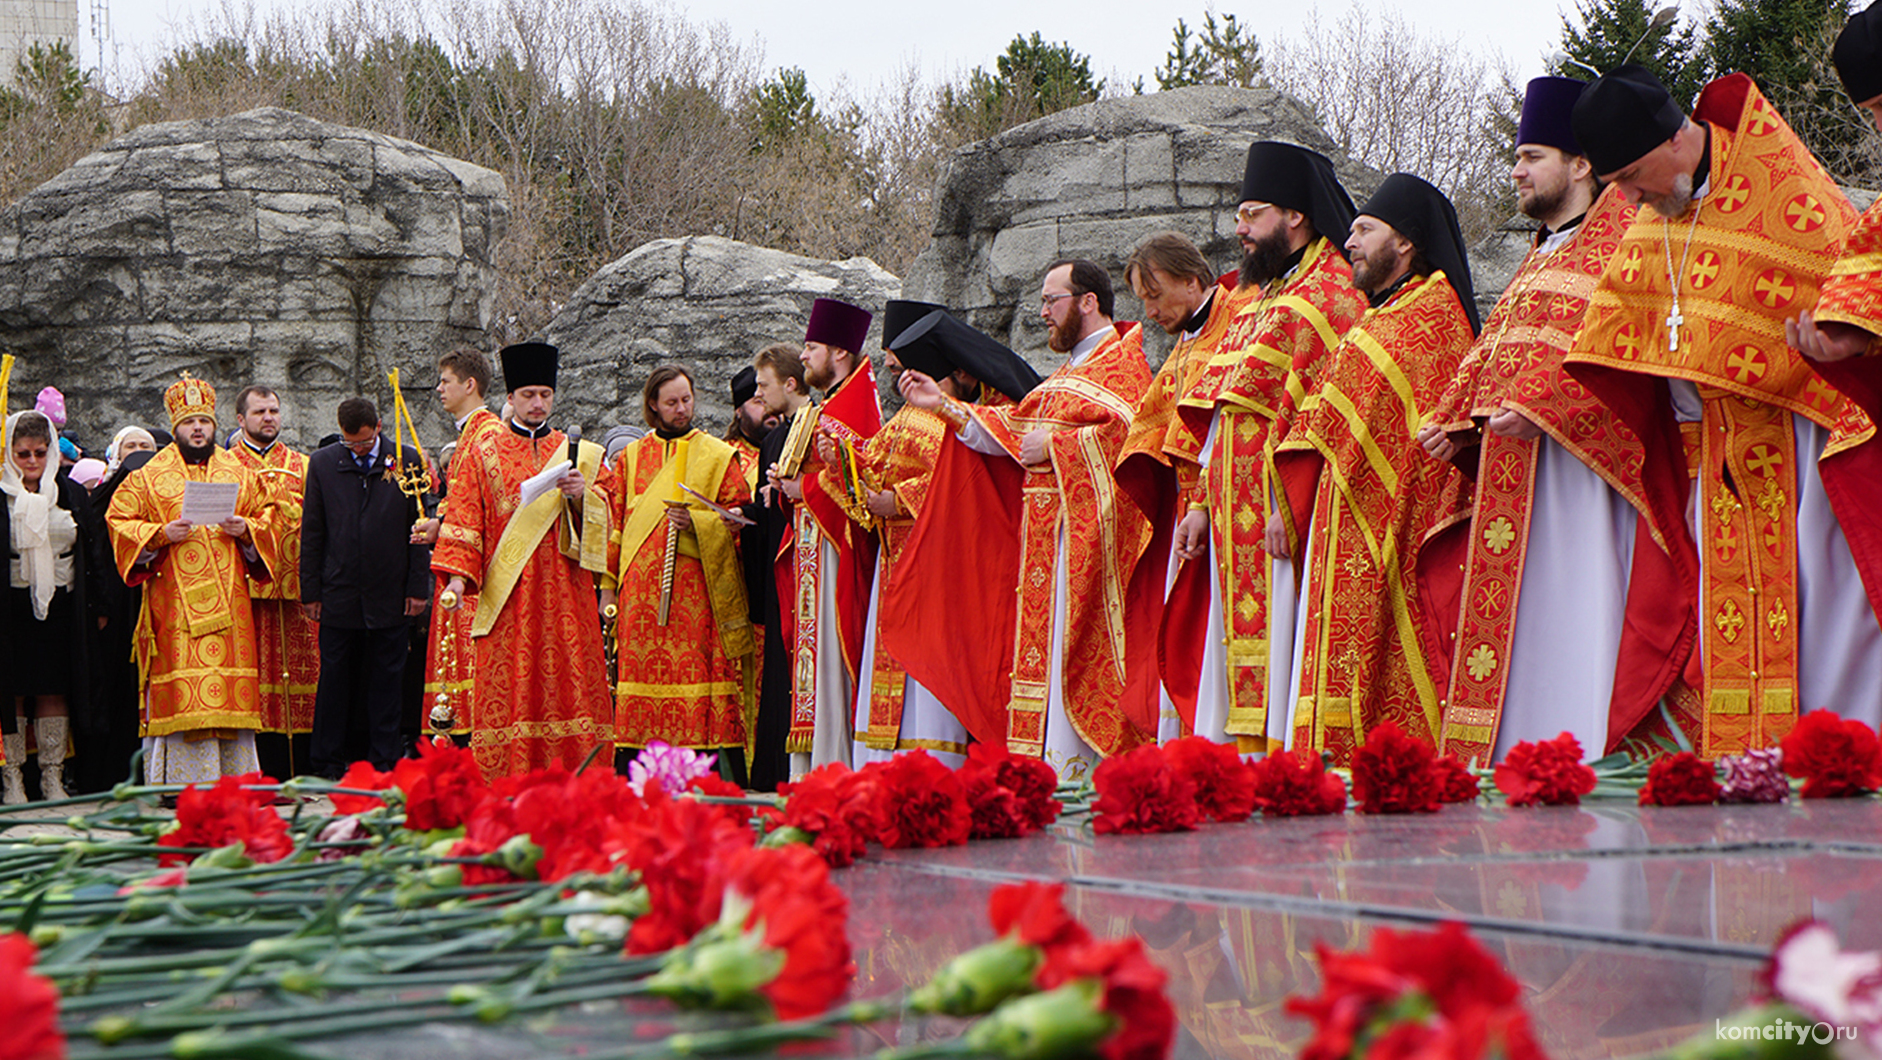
[{"x": 1629, "y": 927}]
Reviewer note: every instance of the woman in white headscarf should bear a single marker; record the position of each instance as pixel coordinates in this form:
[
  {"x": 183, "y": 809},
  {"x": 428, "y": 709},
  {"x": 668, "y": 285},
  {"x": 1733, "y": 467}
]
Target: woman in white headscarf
[
  {"x": 45, "y": 626},
  {"x": 125, "y": 442}
]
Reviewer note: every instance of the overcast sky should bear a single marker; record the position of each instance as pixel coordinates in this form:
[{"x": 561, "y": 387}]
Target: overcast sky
[{"x": 867, "y": 41}]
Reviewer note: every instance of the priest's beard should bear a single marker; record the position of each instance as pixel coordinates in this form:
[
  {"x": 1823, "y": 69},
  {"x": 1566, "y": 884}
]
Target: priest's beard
[
  {"x": 1373, "y": 272},
  {"x": 1545, "y": 203},
  {"x": 749, "y": 429},
  {"x": 673, "y": 428},
  {"x": 1064, "y": 337},
  {"x": 1674, "y": 203},
  {"x": 1265, "y": 260},
  {"x": 193, "y": 454}
]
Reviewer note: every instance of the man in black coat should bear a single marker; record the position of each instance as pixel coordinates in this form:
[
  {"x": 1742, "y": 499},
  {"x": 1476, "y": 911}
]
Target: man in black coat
[{"x": 362, "y": 580}]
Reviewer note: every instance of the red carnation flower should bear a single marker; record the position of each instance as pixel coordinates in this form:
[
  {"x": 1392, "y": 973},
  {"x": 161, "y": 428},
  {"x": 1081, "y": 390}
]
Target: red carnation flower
[
  {"x": 673, "y": 845},
  {"x": 1545, "y": 772},
  {"x": 1297, "y": 784},
  {"x": 836, "y": 807},
  {"x": 1683, "y": 779},
  {"x": 29, "y": 1005},
  {"x": 442, "y": 786},
  {"x": 1393, "y": 773},
  {"x": 800, "y": 912},
  {"x": 224, "y": 814},
  {"x": 1836, "y": 757},
  {"x": 921, "y": 802},
  {"x": 716, "y": 785},
  {"x": 1426, "y": 994},
  {"x": 1139, "y": 793},
  {"x": 1225, "y": 785},
  {"x": 572, "y": 819},
  {"x": 491, "y": 824},
  {"x": 1034, "y": 913},
  {"x": 1133, "y": 994},
  {"x": 995, "y": 811},
  {"x": 363, "y": 777},
  {"x": 1034, "y": 784},
  {"x": 1456, "y": 782}
]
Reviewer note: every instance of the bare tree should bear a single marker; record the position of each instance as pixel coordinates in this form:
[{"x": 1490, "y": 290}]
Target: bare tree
[{"x": 1402, "y": 102}]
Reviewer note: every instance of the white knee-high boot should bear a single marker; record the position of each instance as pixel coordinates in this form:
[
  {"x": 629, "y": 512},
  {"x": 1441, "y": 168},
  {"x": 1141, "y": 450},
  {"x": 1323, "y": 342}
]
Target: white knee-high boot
[
  {"x": 14, "y": 745},
  {"x": 51, "y": 733}
]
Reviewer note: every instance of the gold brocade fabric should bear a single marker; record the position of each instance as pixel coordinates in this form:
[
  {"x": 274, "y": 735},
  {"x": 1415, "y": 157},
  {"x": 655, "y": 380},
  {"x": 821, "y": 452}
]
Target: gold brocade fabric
[
  {"x": 1765, "y": 233},
  {"x": 288, "y": 644},
  {"x": 1088, "y": 410},
  {"x": 1157, "y": 431},
  {"x": 1517, "y": 364},
  {"x": 1364, "y": 660},
  {"x": 541, "y": 697},
  {"x": 901, "y": 459},
  {"x": 195, "y": 639},
  {"x": 1270, "y": 357},
  {"x": 451, "y": 657},
  {"x": 681, "y": 682}
]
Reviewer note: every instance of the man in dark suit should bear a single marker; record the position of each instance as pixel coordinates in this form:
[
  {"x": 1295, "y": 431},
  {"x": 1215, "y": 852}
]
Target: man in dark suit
[{"x": 362, "y": 580}]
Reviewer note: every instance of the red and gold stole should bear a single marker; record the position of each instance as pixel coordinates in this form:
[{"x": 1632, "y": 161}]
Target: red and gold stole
[
  {"x": 287, "y": 643},
  {"x": 1518, "y": 364},
  {"x": 1160, "y": 470},
  {"x": 849, "y": 416},
  {"x": 901, "y": 458},
  {"x": 1754, "y": 251},
  {"x": 1378, "y": 499},
  {"x": 1088, "y": 410},
  {"x": 451, "y": 657},
  {"x": 1270, "y": 358}
]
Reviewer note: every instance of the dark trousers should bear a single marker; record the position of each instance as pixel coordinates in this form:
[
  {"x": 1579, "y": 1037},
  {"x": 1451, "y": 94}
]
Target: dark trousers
[{"x": 361, "y": 672}]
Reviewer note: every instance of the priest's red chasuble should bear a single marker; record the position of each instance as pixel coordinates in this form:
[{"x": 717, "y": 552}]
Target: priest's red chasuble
[
  {"x": 964, "y": 638},
  {"x": 681, "y": 681},
  {"x": 195, "y": 638},
  {"x": 901, "y": 459},
  {"x": 289, "y": 644},
  {"x": 541, "y": 697},
  {"x": 1518, "y": 364},
  {"x": 1370, "y": 652},
  {"x": 451, "y": 656},
  {"x": 1853, "y": 295},
  {"x": 746, "y": 455},
  {"x": 1754, "y": 251},
  {"x": 849, "y": 417},
  {"x": 1161, "y": 471},
  {"x": 1269, "y": 360}
]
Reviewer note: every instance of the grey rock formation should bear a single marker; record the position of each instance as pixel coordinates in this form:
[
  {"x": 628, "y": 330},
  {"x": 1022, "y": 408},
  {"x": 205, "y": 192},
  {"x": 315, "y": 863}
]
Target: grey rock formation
[
  {"x": 1091, "y": 182},
  {"x": 704, "y": 302},
  {"x": 264, "y": 247}
]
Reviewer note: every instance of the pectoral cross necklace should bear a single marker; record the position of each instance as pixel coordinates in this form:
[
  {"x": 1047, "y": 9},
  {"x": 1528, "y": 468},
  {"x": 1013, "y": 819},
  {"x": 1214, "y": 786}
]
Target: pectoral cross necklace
[{"x": 1674, "y": 318}]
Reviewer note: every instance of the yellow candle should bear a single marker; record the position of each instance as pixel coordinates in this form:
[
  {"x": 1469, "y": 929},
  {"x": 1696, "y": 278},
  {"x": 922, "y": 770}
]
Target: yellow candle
[{"x": 679, "y": 465}]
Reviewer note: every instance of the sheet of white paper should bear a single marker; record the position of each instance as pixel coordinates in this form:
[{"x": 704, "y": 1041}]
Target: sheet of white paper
[
  {"x": 209, "y": 503},
  {"x": 723, "y": 512},
  {"x": 543, "y": 481}
]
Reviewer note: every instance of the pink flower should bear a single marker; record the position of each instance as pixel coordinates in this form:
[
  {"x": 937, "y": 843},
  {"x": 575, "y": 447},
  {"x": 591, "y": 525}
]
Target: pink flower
[
  {"x": 1755, "y": 776},
  {"x": 672, "y": 766},
  {"x": 1810, "y": 971}
]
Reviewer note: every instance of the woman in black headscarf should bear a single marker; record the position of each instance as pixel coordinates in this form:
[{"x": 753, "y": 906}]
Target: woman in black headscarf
[{"x": 108, "y": 731}]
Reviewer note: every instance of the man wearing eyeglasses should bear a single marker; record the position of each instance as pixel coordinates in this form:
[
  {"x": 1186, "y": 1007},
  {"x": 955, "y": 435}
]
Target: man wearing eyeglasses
[
  {"x": 1296, "y": 298},
  {"x": 1052, "y": 530}
]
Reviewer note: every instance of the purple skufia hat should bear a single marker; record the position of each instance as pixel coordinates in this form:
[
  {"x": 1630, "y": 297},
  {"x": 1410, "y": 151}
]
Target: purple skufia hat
[
  {"x": 1548, "y": 107},
  {"x": 838, "y": 324}
]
